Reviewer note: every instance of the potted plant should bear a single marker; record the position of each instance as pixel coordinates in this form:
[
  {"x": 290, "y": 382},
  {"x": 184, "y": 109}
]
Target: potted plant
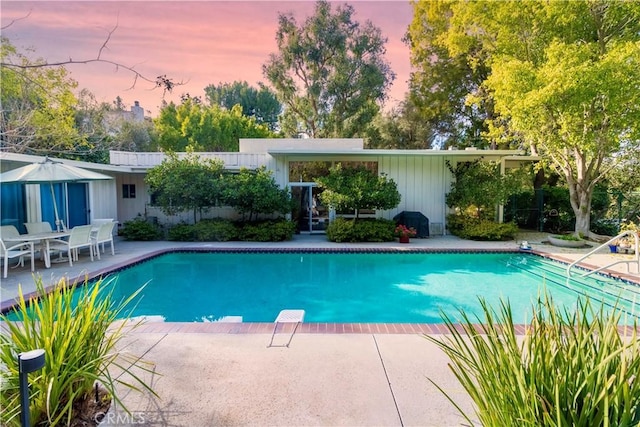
[
  {"x": 404, "y": 233},
  {"x": 627, "y": 243},
  {"x": 566, "y": 241}
]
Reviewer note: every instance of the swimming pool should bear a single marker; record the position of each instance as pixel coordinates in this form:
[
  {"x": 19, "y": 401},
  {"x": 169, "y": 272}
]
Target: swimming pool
[{"x": 353, "y": 287}]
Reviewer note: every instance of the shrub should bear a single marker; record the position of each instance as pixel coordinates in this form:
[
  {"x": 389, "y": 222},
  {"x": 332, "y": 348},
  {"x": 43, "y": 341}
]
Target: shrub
[
  {"x": 607, "y": 227},
  {"x": 362, "y": 230},
  {"x": 140, "y": 229},
  {"x": 568, "y": 237},
  {"x": 79, "y": 340},
  {"x": 182, "y": 233},
  {"x": 268, "y": 231},
  {"x": 472, "y": 228},
  {"x": 255, "y": 192},
  {"x": 357, "y": 188},
  {"x": 570, "y": 369},
  {"x": 215, "y": 230}
]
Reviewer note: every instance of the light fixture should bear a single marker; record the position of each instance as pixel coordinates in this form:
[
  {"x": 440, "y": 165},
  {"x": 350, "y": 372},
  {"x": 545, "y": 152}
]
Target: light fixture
[{"x": 29, "y": 361}]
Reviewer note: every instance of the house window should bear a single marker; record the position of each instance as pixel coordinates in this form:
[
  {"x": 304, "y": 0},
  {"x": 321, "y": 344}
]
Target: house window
[{"x": 128, "y": 191}]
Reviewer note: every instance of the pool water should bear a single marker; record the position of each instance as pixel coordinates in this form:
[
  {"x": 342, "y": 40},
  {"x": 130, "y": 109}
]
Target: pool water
[{"x": 354, "y": 287}]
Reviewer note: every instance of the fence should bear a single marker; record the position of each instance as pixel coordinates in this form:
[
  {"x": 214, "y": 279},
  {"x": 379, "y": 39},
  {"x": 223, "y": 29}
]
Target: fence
[{"x": 549, "y": 209}]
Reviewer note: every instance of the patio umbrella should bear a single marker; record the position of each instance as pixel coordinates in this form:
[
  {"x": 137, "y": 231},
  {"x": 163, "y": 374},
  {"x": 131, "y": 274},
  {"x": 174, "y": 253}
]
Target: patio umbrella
[{"x": 50, "y": 172}]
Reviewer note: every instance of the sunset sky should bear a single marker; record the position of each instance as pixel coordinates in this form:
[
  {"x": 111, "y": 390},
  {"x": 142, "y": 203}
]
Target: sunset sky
[{"x": 199, "y": 43}]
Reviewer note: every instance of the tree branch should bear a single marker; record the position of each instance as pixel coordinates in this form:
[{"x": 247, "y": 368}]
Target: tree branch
[{"x": 167, "y": 84}]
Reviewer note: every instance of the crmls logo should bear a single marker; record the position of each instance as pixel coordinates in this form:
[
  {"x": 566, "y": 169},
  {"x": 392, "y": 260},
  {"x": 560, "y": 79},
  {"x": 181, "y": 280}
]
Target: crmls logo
[{"x": 111, "y": 418}]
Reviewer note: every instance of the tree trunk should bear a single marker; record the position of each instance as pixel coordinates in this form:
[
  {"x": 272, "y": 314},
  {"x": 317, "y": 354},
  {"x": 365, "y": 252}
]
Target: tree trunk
[{"x": 580, "y": 194}]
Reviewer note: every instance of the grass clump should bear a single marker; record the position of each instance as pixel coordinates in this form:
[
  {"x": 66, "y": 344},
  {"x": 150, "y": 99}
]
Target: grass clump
[
  {"x": 79, "y": 338},
  {"x": 568, "y": 370}
]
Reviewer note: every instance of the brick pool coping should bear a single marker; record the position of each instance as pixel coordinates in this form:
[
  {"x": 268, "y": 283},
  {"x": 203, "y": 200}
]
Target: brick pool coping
[{"x": 319, "y": 328}]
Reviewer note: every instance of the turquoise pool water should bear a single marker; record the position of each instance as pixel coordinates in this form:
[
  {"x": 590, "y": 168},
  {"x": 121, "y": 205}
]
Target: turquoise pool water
[{"x": 353, "y": 287}]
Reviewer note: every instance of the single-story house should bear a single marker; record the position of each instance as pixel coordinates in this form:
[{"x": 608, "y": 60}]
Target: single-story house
[{"x": 422, "y": 177}]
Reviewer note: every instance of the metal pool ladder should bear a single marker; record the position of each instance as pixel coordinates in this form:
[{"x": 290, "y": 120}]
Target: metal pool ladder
[{"x": 635, "y": 260}]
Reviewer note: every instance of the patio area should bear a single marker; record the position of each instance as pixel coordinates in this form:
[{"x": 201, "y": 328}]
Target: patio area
[{"x": 332, "y": 378}]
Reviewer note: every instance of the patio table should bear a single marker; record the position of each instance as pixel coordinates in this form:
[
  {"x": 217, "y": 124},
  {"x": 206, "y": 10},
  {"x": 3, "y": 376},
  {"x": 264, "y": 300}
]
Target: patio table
[{"x": 44, "y": 237}]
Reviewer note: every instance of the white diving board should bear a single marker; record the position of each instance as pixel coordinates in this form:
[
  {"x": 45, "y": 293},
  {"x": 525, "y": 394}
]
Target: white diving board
[{"x": 287, "y": 316}]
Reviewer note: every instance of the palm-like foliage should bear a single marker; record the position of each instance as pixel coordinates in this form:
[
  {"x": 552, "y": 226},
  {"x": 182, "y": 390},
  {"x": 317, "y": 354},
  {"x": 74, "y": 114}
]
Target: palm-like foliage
[
  {"x": 568, "y": 370},
  {"x": 79, "y": 338}
]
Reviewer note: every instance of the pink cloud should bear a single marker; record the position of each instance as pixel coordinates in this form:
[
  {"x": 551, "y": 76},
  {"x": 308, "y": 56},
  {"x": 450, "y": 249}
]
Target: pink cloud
[{"x": 201, "y": 43}]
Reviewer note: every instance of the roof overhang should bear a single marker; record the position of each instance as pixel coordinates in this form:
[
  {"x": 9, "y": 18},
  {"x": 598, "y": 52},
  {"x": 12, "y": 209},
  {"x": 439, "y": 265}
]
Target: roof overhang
[
  {"x": 24, "y": 159},
  {"x": 411, "y": 153}
]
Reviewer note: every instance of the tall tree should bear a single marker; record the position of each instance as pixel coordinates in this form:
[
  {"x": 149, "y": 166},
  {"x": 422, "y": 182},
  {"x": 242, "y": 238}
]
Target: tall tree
[
  {"x": 401, "y": 128},
  {"x": 330, "y": 72},
  {"x": 262, "y": 103},
  {"x": 204, "y": 128},
  {"x": 564, "y": 78},
  {"x": 443, "y": 78},
  {"x": 37, "y": 106}
]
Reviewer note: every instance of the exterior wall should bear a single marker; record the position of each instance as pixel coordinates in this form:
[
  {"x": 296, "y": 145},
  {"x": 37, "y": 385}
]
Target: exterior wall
[
  {"x": 155, "y": 214},
  {"x": 103, "y": 199},
  {"x": 423, "y": 182},
  {"x": 232, "y": 161},
  {"x": 101, "y": 194},
  {"x": 261, "y": 145},
  {"x": 127, "y": 209}
]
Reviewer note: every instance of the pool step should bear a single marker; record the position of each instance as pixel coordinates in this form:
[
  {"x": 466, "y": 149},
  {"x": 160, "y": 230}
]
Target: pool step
[{"x": 610, "y": 290}]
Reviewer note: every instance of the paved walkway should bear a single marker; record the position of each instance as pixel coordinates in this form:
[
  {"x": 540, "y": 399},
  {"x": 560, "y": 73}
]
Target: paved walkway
[{"x": 365, "y": 379}]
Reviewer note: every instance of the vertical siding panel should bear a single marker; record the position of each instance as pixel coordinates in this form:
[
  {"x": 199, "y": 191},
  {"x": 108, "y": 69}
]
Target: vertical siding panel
[
  {"x": 410, "y": 187},
  {"x": 103, "y": 199}
]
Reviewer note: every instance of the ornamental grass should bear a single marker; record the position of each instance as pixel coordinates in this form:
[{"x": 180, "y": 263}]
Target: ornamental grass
[
  {"x": 569, "y": 369},
  {"x": 79, "y": 337}
]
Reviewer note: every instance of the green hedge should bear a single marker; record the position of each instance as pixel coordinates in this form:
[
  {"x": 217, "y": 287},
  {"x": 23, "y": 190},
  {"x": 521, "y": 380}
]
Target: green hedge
[
  {"x": 267, "y": 231},
  {"x": 140, "y": 229},
  {"x": 362, "y": 230},
  {"x": 480, "y": 229},
  {"x": 220, "y": 230}
]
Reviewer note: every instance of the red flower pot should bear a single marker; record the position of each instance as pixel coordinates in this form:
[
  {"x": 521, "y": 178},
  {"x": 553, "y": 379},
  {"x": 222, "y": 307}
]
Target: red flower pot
[{"x": 403, "y": 239}]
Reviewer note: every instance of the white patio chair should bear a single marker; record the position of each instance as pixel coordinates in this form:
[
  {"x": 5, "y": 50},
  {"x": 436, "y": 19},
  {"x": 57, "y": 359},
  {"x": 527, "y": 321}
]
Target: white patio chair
[
  {"x": 35, "y": 228},
  {"x": 80, "y": 237},
  {"x": 38, "y": 227},
  {"x": 10, "y": 250},
  {"x": 104, "y": 235}
]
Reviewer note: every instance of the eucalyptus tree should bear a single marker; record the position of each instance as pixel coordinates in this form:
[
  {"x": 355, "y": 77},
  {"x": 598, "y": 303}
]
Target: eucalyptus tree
[
  {"x": 261, "y": 103},
  {"x": 330, "y": 72},
  {"x": 564, "y": 79},
  {"x": 401, "y": 128}
]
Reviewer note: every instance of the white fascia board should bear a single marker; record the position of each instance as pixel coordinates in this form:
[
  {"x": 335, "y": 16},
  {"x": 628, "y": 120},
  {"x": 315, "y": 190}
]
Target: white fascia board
[
  {"x": 440, "y": 153},
  {"x": 28, "y": 159}
]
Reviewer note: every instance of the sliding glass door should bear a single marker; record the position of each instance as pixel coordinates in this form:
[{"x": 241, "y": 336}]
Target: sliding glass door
[{"x": 308, "y": 213}]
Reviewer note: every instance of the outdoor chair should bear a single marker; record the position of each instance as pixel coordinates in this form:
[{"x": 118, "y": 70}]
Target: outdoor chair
[
  {"x": 104, "y": 235},
  {"x": 35, "y": 228},
  {"x": 79, "y": 238},
  {"x": 38, "y": 227},
  {"x": 10, "y": 250}
]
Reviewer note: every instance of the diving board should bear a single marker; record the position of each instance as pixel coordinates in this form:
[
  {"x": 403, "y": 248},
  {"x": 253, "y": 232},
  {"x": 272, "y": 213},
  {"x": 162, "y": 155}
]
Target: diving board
[{"x": 287, "y": 316}]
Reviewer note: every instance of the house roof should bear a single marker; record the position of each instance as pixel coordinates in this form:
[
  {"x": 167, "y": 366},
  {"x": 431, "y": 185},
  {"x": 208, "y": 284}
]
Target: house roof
[
  {"x": 28, "y": 158},
  {"x": 365, "y": 152}
]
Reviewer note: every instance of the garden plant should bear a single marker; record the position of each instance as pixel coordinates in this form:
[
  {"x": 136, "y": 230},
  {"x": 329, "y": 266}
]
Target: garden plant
[
  {"x": 569, "y": 369},
  {"x": 80, "y": 341}
]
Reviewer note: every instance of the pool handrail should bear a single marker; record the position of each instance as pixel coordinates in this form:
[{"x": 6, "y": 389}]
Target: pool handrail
[{"x": 636, "y": 259}]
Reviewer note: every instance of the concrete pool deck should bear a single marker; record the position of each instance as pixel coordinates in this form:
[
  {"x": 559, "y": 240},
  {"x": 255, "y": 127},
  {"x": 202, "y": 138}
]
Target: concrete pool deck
[{"x": 342, "y": 379}]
